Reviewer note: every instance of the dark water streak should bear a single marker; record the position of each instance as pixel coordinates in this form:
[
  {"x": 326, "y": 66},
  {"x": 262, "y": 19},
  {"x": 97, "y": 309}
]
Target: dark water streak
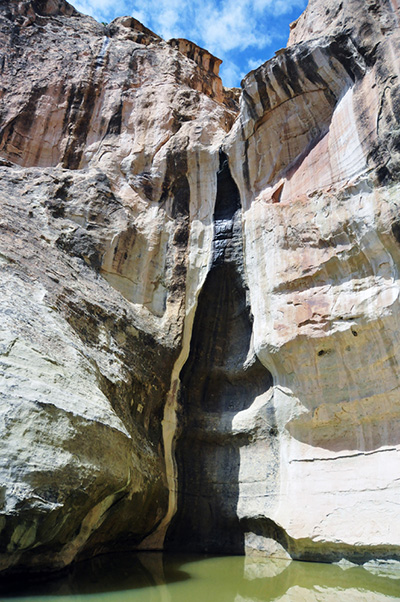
[{"x": 217, "y": 382}]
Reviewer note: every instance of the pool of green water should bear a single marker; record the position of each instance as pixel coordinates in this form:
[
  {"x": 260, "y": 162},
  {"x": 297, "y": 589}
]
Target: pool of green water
[{"x": 156, "y": 578}]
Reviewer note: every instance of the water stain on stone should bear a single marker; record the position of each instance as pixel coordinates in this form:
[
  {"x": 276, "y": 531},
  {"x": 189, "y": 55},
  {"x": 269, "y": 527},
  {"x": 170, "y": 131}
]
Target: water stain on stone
[{"x": 216, "y": 384}]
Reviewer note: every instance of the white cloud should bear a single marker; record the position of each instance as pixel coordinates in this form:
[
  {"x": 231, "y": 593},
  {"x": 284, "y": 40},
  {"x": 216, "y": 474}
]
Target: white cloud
[
  {"x": 254, "y": 63},
  {"x": 103, "y": 10},
  {"x": 219, "y": 25},
  {"x": 277, "y": 7},
  {"x": 282, "y": 7},
  {"x": 231, "y": 74},
  {"x": 139, "y": 15},
  {"x": 230, "y": 27},
  {"x": 168, "y": 18},
  {"x": 224, "y": 27}
]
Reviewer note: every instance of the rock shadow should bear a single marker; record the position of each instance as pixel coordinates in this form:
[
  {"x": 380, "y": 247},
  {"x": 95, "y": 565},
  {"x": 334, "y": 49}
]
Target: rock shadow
[
  {"x": 99, "y": 576},
  {"x": 217, "y": 382}
]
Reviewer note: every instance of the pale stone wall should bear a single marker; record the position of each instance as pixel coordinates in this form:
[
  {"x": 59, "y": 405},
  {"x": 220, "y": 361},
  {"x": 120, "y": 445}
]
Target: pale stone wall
[{"x": 199, "y": 337}]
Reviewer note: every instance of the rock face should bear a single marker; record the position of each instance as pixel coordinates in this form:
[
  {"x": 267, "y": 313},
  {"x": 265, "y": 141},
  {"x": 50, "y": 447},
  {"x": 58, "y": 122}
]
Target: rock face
[{"x": 199, "y": 290}]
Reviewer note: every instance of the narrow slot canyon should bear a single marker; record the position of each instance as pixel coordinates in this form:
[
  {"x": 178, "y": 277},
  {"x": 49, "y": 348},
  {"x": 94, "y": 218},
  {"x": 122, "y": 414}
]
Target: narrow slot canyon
[{"x": 218, "y": 380}]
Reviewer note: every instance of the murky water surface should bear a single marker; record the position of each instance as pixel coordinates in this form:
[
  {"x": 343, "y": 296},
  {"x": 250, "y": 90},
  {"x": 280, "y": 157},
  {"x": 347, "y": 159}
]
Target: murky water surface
[{"x": 154, "y": 578}]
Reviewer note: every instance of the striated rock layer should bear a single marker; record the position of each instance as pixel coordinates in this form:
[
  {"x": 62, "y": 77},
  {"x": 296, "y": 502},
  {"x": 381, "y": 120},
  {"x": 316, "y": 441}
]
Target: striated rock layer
[{"x": 199, "y": 290}]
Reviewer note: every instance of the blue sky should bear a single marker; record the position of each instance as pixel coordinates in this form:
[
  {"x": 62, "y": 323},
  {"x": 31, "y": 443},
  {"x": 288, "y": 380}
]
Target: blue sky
[{"x": 243, "y": 33}]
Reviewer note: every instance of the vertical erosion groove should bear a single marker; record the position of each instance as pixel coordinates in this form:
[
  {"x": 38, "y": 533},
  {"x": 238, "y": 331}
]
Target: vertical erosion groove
[{"x": 215, "y": 384}]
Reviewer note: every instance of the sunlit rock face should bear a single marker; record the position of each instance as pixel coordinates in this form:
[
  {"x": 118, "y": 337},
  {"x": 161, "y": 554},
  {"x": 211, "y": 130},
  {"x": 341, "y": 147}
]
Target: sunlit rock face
[
  {"x": 315, "y": 155},
  {"x": 199, "y": 334},
  {"x": 109, "y": 148}
]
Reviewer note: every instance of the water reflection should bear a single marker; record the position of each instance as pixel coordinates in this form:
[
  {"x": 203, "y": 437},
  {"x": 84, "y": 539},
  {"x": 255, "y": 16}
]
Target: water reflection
[{"x": 153, "y": 578}]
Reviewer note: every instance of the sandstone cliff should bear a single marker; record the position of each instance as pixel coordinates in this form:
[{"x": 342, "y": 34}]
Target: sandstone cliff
[{"x": 199, "y": 290}]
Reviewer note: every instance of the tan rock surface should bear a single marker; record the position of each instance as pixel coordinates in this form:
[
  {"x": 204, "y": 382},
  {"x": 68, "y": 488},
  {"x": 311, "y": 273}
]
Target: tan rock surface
[
  {"x": 95, "y": 187},
  {"x": 199, "y": 333},
  {"x": 321, "y": 253}
]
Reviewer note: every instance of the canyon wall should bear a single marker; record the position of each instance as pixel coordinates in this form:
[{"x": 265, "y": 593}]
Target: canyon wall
[{"x": 199, "y": 290}]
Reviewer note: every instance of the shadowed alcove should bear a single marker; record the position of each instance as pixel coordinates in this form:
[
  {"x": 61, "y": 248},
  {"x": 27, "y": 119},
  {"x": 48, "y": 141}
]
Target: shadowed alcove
[{"x": 217, "y": 382}]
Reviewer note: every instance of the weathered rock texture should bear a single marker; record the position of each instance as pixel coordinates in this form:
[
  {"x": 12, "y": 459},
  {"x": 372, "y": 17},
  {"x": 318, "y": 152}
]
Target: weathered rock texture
[{"x": 200, "y": 301}]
